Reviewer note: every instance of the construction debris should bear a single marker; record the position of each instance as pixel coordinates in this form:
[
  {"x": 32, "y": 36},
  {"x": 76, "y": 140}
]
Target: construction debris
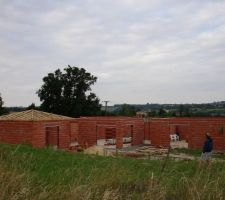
[
  {"x": 98, "y": 150},
  {"x": 150, "y": 150},
  {"x": 179, "y": 144}
]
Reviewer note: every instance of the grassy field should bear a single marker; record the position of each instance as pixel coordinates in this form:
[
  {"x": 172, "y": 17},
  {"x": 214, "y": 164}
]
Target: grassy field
[{"x": 29, "y": 173}]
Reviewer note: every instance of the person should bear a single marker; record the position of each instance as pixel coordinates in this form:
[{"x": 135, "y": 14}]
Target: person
[{"x": 207, "y": 149}]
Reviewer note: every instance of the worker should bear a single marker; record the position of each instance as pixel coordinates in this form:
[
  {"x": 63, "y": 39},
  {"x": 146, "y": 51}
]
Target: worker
[{"x": 207, "y": 150}]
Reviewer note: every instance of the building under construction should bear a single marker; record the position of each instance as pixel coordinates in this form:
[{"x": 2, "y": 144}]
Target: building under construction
[{"x": 42, "y": 129}]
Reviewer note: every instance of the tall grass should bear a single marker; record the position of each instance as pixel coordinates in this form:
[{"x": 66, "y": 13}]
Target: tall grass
[{"x": 29, "y": 173}]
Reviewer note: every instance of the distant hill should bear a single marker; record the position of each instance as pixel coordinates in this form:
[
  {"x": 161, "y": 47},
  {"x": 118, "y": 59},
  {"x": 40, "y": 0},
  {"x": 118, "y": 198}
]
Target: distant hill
[
  {"x": 189, "y": 109},
  {"x": 168, "y": 110},
  {"x": 220, "y": 104},
  {"x": 16, "y": 109}
]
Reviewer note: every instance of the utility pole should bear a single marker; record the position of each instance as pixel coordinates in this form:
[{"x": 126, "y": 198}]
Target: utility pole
[{"x": 106, "y": 104}]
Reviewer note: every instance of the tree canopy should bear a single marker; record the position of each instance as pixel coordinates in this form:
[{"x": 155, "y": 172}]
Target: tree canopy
[
  {"x": 127, "y": 110},
  {"x": 3, "y": 110},
  {"x": 68, "y": 93},
  {"x": 32, "y": 106},
  {"x": 1, "y": 101}
]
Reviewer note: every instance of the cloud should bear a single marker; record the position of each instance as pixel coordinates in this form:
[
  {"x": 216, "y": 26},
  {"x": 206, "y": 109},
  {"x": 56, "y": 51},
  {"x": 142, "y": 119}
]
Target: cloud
[{"x": 142, "y": 51}]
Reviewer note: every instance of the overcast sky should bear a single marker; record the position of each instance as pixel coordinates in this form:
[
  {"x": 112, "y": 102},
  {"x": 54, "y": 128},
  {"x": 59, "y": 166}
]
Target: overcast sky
[{"x": 141, "y": 50}]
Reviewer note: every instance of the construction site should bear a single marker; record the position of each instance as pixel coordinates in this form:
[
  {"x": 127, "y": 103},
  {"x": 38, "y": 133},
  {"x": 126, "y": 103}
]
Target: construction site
[{"x": 131, "y": 136}]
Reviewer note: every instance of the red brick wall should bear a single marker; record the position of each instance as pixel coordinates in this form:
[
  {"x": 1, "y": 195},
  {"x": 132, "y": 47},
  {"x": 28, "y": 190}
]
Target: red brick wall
[
  {"x": 64, "y": 134},
  {"x": 198, "y": 129},
  {"x": 192, "y": 130},
  {"x": 101, "y": 132},
  {"x": 83, "y": 129},
  {"x": 93, "y": 128},
  {"x": 74, "y": 132},
  {"x": 183, "y": 131},
  {"x": 120, "y": 131},
  {"x": 110, "y": 132},
  {"x": 39, "y": 135},
  {"x": 159, "y": 133},
  {"x": 16, "y": 132},
  {"x": 138, "y": 132},
  {"x": 87, "y": 132},
  {"x": 52, "y": 136}
]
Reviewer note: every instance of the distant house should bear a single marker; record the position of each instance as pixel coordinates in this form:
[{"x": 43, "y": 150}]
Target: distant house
[{"x": 141, "y": 114}]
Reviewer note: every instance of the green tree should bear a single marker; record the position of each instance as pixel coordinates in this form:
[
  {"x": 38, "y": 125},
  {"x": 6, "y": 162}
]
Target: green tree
[
  {"x": 181, "y": 110},
  {"x": 184, "y": 111},
  {"x": 3, "y": 110},
  {"x": 161, "y": 112},
  {"x": 127, "y": 110},
  {"x": 1, "y": 102},
  {"x": 68, "y": 93},
  {"x": 32, "y": 106},
  {"x": 172, "y": 113},
  {"x": 152, "y": 113},
  {"x": 187, "y": 112}
]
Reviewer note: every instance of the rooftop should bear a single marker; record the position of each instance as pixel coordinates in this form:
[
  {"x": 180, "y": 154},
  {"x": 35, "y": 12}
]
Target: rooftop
[{"x": 33, "y": 115}]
